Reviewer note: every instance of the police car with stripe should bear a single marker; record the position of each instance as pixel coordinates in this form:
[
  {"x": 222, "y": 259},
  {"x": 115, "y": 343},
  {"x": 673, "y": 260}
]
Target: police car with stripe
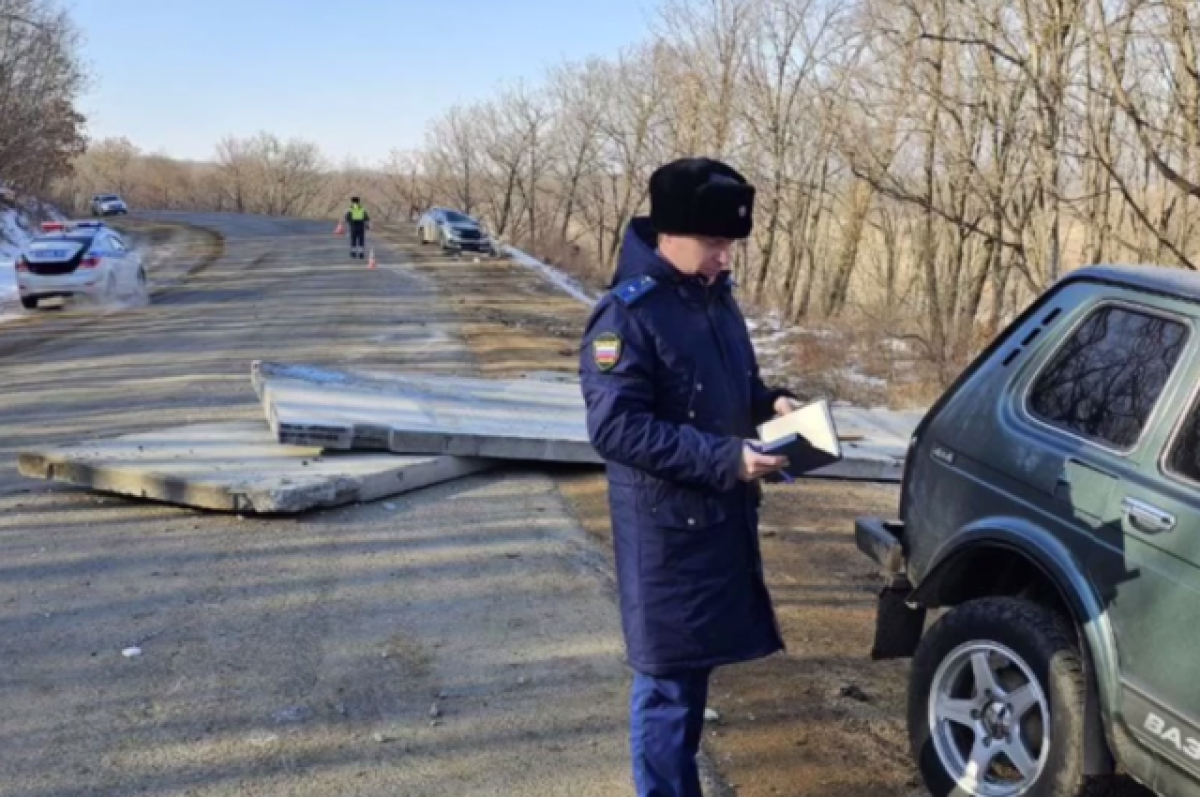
[{"x": 78, "y": 258}]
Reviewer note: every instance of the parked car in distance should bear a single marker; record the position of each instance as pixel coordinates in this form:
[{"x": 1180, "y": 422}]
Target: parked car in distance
[
  {"x": 454, "y": 231},
  {"x": 108, "y": 205},
  {"x": 1051, "y": 503}
]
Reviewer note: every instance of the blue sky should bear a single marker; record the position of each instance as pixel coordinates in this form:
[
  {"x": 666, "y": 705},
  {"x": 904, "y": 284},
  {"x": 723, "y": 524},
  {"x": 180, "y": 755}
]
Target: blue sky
[{"x": 358, "y": 77}]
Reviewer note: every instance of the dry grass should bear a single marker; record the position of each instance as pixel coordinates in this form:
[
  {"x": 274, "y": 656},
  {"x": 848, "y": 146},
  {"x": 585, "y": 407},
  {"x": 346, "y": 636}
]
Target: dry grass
[{"x": 860, "y": 362}]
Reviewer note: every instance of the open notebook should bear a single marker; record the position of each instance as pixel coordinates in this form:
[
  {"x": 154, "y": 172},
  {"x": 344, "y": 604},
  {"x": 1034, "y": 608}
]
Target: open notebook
[{"x": 807, "y": 437}]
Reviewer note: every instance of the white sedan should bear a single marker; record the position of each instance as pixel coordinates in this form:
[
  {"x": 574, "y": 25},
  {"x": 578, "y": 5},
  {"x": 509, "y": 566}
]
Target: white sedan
[{"x": 78, "y": 258}]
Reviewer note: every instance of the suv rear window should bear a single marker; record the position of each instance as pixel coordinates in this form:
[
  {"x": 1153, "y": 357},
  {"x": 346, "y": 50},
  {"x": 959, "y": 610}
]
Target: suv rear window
[{"x": 1104, "y": 381}]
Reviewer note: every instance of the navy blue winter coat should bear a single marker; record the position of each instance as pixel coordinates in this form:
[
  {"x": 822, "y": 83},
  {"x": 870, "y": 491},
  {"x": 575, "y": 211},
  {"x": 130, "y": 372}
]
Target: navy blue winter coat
[{"x": 672, "y": 389}]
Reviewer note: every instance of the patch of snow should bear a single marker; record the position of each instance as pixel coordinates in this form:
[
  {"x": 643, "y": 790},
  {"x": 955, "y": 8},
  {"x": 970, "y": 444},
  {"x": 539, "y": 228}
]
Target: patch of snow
[
  {"x": 14, "y": 233},
  {"x": 564, "y": 282},
  {"x": 852, "y": 374},
  {"x": 817, "y": 333},
  {"x": 8, "y": 280},
  {"x": 773, "y": 343},
  {"x": 14, "y": 237}
]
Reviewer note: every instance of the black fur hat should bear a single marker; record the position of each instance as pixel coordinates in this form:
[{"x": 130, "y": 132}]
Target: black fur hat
[{"x": 701, "y": 196}]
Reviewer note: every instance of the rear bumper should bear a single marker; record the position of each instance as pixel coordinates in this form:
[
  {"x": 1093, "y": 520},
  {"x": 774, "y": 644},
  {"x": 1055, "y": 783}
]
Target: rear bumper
[
  {"x": 880, "y": 541},
  {"x": 469, "y": 246},
  {"x": 89, "y": 283}
]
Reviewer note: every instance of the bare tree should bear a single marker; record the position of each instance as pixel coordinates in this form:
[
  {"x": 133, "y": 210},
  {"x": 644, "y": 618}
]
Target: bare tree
[
  {"x": 712, "y": 37},
  {"x": 575, "y": 137},
  {"x": 1148, "y": 53},
  {"x": 455, "y": 146},
  {"x": 41, "y": 75}
]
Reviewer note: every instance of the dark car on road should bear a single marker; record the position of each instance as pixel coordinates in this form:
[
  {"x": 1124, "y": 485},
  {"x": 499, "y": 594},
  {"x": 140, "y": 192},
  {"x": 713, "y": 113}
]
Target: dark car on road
[{"x": 1050, "y": 515}]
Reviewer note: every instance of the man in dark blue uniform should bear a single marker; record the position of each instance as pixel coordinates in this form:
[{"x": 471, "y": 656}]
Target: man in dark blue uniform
[{"x": 673, "y": 398}]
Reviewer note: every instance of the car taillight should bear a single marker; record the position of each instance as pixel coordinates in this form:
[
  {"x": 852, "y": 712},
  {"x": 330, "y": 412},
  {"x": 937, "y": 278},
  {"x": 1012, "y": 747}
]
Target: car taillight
[
  {"x": 22, "y": 265},
  {"x": 89, "y": 262}
]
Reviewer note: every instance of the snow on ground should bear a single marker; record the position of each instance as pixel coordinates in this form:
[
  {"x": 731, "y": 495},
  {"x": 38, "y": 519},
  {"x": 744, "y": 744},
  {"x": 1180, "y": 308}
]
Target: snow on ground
[
  {"x": 565, "y": 283},
  {"x": 13, "y": 238},
  {"x": 8, "y": 280},
  {"x": 16, "y": 230},
  {"x": 773, "y": 341}
]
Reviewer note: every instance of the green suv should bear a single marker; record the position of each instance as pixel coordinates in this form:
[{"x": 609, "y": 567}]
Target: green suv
[{"x": 1051, "y": 504}]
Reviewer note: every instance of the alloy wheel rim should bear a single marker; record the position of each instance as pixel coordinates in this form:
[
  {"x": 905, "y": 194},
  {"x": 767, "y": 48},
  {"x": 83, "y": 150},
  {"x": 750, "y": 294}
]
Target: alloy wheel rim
[{"x": 989, "y": 720}]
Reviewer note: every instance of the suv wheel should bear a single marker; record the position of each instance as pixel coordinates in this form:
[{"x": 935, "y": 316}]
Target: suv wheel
[
  {"x": 995, "y": 705},
  {"x": 29, "y": 302}
]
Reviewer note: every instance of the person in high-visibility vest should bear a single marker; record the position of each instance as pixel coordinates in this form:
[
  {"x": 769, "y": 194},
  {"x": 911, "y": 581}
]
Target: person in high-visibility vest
[{"x": 359, "y": 222}]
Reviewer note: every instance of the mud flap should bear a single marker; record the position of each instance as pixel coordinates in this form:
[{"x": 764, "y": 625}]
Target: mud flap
[{"x": 898, "y": 626}]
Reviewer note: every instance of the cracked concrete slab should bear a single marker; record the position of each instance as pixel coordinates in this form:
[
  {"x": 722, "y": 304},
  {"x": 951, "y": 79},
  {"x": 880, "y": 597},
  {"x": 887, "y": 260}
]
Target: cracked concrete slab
[
  {"x": 237, "y": 467},
  {"x": 539, "y": 417}
]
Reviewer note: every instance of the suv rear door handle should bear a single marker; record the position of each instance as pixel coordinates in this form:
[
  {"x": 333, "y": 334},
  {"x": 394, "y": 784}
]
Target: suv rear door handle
[{"x": 1146, "y": 516}]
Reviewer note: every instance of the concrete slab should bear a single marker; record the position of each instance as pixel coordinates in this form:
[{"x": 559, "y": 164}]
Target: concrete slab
[
  {"x": 237, "y": 467},
  {"x": 875, "y": 442},
  {"x": 418, "y": 413},
  {"x": 540, "y": 417}
]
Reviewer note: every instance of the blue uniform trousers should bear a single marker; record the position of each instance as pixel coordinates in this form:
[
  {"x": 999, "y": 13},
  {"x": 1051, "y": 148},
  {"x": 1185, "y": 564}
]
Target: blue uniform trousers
[{"x": 666, "y": 721}]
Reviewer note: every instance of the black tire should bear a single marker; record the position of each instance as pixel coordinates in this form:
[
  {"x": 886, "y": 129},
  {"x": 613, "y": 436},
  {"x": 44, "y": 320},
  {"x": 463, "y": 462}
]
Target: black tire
[
  {"x": 1048, "y": 646},
  {"x": 29, "y": 302}
]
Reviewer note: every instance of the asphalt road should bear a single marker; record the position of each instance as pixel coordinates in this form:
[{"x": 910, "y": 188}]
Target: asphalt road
[{"x": 457, "y": 641}]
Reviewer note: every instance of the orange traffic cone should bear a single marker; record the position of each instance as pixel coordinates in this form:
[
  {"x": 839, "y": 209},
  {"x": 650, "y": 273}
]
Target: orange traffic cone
[
  {"x": 340, "y": 229},
  {"x": 371, "y": 260}
]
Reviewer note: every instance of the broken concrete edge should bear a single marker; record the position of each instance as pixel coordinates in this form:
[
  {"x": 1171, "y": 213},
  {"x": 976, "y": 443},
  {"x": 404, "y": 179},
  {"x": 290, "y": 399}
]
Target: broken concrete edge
[
  {"x": 38, "y": 465},
  {"x": 116, "y": 479},
  {"x": 518, "y": 448}
]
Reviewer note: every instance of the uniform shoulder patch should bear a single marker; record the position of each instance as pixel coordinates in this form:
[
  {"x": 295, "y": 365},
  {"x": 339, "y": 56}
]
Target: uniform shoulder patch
[
  {"x": 606, "y": 350},
  {"x": 631, "y": 290}
]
